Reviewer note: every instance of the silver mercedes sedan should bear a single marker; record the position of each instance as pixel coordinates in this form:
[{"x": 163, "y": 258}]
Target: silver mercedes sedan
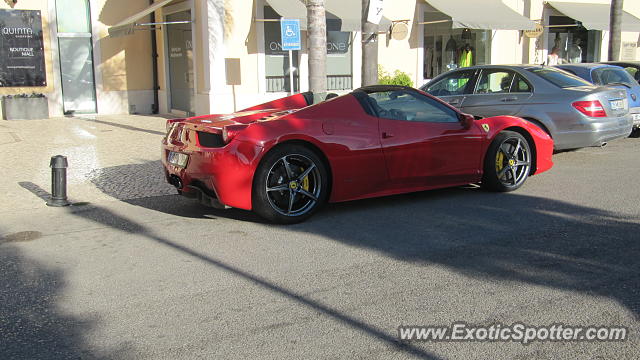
[{"x": 574, "y": 112}]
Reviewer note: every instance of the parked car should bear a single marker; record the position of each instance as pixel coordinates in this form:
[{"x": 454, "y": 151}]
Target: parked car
[
  {"x": 286, "y": 158},
  {"x": 573, "y": 111},
  {"x": 614, "y": 76},
  {"x": 632, "y": 67}
]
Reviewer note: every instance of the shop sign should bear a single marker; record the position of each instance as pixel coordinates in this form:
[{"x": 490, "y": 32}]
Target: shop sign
[
  {"x": 21, "y": 49},
  {"x": 375, "y": 11},
  {"x": 535, "y": 32},
  {"x": 629, "y": 50}
]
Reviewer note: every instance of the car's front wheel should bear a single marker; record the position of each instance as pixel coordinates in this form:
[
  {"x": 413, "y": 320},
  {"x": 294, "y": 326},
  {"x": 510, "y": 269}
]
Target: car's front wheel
[
  {"x": 290, "y": 184},
  {"x": 507, "y": 163}
]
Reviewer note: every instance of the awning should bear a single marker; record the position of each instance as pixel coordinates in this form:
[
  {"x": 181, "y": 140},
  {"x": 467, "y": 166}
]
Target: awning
[
  {"x": 348, "y": 11},
  {"x": 483, "y": 14},
  {"x": 595, "y": 16},
  {"x": 127, "y": 26},
  {"x": 291, "y": 9}
]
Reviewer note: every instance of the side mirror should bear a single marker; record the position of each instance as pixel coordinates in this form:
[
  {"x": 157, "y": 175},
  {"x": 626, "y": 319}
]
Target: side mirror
[{"x": 467, "y": 120}]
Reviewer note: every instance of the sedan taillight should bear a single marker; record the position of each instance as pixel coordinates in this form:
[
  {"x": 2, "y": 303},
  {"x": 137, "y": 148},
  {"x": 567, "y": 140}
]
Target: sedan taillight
[{"x": 591, "y": 108}]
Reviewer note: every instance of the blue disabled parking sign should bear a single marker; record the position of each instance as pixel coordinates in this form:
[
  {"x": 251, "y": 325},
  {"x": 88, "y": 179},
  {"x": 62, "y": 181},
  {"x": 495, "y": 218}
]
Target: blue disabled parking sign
[{"x": 290, "y": 33}]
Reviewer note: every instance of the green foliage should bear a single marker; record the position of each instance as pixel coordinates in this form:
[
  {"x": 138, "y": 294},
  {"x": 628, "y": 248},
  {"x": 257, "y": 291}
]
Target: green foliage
[
  {"x": 398, "y": 78},
  {"x": 23, "y": 96}
]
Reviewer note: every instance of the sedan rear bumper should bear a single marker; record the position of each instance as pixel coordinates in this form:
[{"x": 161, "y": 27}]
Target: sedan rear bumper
[
  {"x": 595, "y": 133},
  {"x": 635, "y": 116}
]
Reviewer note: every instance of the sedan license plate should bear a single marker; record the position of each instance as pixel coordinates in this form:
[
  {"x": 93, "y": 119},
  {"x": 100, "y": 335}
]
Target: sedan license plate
[
  {"x": 617, "y": 104},
  {"x": 178, "y": 159}
]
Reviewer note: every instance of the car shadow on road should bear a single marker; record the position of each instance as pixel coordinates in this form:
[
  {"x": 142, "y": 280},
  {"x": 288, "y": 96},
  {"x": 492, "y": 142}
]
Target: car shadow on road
[
  {"x": 143, "y": 184},
  {"x": 507, "y": 237},
  {"x": 31, "y": 323},
  {"x": 107, "y": 217}
]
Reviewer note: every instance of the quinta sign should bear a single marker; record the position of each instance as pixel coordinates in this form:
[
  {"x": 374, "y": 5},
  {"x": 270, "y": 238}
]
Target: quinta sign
[{"x": 21, "y": 49}]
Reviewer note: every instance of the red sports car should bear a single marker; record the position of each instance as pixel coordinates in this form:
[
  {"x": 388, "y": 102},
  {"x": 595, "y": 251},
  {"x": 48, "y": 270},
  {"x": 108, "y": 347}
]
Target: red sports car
[{"x": 285, "y": 158}]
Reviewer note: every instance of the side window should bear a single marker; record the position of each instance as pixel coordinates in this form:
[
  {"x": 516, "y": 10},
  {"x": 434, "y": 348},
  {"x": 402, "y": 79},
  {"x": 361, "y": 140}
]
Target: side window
[
  {"x": 494, "y": 81},
  {"x": 520, "y": 85},
  {"x": 633, "y": 72},
  {"x": 453, "y": 84},
  {"x": 410, "y": 106}
]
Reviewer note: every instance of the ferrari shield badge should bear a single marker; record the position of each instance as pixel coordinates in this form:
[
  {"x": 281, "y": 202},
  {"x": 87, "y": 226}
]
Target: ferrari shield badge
[{"x": 485, "y": 127}]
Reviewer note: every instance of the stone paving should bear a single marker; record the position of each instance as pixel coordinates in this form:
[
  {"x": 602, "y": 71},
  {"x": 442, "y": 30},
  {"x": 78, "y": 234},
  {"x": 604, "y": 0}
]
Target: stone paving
[{"x": 110, "y": 157}]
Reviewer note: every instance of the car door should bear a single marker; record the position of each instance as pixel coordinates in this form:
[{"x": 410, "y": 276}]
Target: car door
[
  {"x": 497, "y": 92},
  {"x": 424, "y": 142},
  {"x": 452, "y": 87}
]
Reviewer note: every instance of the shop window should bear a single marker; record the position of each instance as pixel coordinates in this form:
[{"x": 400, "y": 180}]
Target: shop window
[
  {"x": 339, "y": 57},
  {"x": 73, "y": 16},
  {"x": 446, "y": 48},
  {"x": 571, "y": 42},
  {"x": 276, "y": 59}
]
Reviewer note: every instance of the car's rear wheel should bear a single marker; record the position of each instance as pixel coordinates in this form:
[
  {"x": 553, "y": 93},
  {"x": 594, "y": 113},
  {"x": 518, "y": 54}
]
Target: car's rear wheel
[
  {"x": 507, "y": 163},
  {"x": 290, "y": 184}
]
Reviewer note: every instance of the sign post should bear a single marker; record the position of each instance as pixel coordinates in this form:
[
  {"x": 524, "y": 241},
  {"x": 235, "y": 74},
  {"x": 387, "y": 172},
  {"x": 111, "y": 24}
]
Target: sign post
[{"x": 290, "y": 38}]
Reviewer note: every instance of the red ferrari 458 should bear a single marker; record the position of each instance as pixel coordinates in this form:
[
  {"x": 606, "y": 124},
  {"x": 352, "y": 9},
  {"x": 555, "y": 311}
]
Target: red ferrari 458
[{"x": 285, "y": 158}]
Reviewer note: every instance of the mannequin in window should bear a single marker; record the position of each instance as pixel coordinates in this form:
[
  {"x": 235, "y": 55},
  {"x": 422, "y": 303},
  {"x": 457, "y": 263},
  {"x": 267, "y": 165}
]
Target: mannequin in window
[
  {"x": 466, "y": 56},
  {"x": 450, "y": 51},
  {"x": 428, "y": 63},
  {"x": 553, "y": 58},
  {"x": 575, "y": 51}
]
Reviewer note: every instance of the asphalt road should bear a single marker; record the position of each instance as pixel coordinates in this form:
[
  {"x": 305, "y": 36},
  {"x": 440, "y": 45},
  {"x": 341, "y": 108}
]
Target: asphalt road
[{"x": 164, "y": 278}]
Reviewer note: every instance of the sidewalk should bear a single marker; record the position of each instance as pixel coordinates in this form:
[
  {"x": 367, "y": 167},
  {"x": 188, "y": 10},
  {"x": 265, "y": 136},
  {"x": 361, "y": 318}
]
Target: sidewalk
[{"x": 110, "y": 157}]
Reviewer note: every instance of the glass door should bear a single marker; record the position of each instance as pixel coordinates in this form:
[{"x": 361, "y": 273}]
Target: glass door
[
  {"x": 76, "y": 56},
  {"x": 180, "y": 55}
]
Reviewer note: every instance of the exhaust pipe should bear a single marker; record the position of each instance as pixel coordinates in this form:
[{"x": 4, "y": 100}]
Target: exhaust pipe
[
  {"x": 175, "y": 181},
  {"x": 602, "y": 146}
]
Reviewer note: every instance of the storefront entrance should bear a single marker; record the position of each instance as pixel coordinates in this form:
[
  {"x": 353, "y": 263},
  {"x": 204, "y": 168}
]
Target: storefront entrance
[
  {"x": 76, "y": 56},
  {"x": 180, "y": 59}
]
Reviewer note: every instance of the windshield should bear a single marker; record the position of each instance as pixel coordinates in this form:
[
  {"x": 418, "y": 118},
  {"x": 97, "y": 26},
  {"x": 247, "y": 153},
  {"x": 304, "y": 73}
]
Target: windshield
[
  {"x": 558, "y": 78},
  {"x": 612, "y": 75}
]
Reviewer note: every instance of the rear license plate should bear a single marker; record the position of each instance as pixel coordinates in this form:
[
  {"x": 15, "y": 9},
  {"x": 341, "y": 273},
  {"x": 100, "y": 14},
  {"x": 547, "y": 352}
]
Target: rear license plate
[
  {"x": 635, "y": 118},
  {"x": 617, "y": 104},
  {"x": 178, "y": 159}
]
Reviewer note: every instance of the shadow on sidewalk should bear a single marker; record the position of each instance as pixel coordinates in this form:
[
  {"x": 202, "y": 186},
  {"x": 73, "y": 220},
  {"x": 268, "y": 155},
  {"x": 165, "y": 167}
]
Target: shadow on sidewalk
[{"x": 31, "y": 325}]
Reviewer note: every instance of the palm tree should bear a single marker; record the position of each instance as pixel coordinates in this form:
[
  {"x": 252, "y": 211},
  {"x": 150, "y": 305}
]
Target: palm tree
[
  {"x": 614, "y": 29},
  {"x": 317, "y": 43}
]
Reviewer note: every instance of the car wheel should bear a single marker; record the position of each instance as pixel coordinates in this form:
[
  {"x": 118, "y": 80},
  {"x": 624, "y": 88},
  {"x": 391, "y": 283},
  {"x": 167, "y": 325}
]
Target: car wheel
[
  {"x": 507, "y": 163},
  {"x": 290, "y": 184},
  {"x": 635, "y": 133}
]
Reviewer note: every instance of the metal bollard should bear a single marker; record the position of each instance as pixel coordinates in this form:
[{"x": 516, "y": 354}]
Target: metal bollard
[{"x": 58, "y": 166}]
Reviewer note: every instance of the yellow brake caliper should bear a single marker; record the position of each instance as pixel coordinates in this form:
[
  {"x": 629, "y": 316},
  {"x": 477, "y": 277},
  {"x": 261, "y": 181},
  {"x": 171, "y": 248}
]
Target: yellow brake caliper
[
  {"x": 305, "y": 181},
  {"x": 499, "y": 161}
]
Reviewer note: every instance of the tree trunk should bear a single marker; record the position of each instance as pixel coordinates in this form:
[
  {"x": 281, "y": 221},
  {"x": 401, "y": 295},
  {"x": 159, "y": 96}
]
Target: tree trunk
[
  {"x": 615, "y": 29},
  {"x": 317, "y": 42},
  {"x": 369, "y": 48}
]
